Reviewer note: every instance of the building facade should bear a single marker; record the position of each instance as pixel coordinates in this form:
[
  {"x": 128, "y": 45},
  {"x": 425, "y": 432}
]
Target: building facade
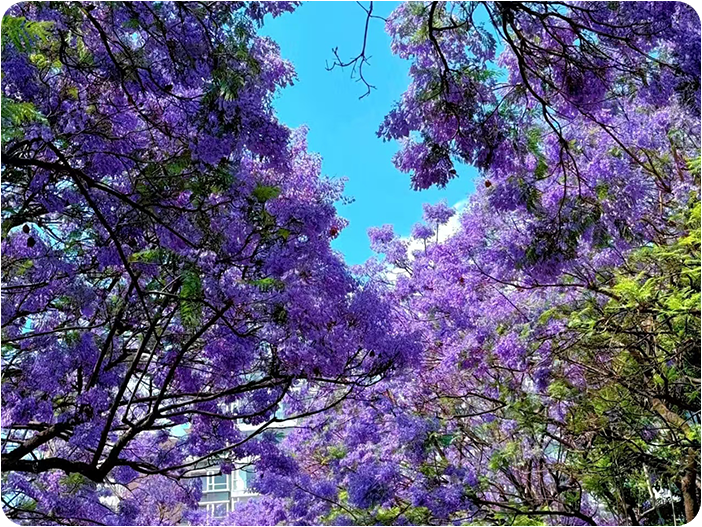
[{"x": 221, "y": 492}]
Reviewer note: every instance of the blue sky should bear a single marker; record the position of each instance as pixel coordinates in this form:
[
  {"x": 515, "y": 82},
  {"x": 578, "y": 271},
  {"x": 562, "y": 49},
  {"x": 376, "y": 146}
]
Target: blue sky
[{"x": 343, "y": 128}]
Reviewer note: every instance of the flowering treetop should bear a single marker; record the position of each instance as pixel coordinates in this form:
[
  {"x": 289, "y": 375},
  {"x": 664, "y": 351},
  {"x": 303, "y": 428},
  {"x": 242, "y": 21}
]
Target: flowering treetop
[
  {"x": 559, "y": 375},
  {"x": 167, "y": 273}
]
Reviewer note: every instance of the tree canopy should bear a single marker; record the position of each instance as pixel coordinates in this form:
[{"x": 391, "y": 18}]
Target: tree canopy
[{"x": 169, "y": 286}]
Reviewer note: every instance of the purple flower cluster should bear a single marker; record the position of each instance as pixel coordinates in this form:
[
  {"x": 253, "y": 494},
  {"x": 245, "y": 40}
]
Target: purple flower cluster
[{"x": 169, "y": 285}]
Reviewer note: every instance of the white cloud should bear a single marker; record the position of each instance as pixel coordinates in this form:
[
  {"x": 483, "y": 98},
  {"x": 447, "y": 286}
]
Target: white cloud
[
  {"x": 451, "y": 228},
  {"x": 445, "y": 232}
]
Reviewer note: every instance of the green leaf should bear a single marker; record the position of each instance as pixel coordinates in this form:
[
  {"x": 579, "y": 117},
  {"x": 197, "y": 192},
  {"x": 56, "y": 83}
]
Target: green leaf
[
  {"x": 446, "y": 439},
  {"x": 602, "y": 190},
  {"x": 547, "y": 315},
  {"x": 15, "y": 115},
  {"x": 23, "y": 33},
  {"x": 541, "y": 169},
  {"x": 559, "y": 389},
  {"x": 179, "y": 164},
  {"x": 284, "y": 233},
  {"x": 269, "y": 284},
  {"x": 147, "y": 256},
  {"x": 523, "y": 519},
  {"x": 264, "y": 193},
  {"x": 74, "y": 481},
  {"x": 387, "y": 516},
  {"x": 336, "y": 452},
  {"x": 418, "y": 515},
  {"x": 132, "y": 23},
  {"x": 695, "y": 166},
  {"x": 190, "y": 300}
]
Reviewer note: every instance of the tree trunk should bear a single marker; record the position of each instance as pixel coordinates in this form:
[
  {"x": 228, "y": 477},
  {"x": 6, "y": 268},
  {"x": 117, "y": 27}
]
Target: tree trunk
[{"x": 688, "y": 486}]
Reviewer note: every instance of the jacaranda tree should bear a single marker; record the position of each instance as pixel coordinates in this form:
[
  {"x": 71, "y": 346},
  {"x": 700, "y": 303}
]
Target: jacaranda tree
[
  {"x": 559, "y": 380},
  {"x": 167, "y": 274}
]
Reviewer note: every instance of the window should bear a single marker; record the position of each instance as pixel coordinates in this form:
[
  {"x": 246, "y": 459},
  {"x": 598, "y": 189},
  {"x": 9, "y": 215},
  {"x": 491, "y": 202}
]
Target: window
[
  {"x": 220, "y": 510},
  {"x": 236, "y": 484},
  {"x": 216, "y": 510},
  {"x": 215, "y": 494},
  {"x": 247, "y": 476},
  {"x": 221, "y": 491},
  {"x": 209, "y": 497},
  {"x": 216, "y": 482}
]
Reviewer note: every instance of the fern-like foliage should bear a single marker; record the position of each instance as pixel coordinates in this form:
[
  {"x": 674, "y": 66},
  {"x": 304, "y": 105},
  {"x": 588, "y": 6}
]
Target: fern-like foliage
[
  {"x": 16, "y": 114},
  {"x": 191, "y": 300},
  {"x": 24, "y": 34}
]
